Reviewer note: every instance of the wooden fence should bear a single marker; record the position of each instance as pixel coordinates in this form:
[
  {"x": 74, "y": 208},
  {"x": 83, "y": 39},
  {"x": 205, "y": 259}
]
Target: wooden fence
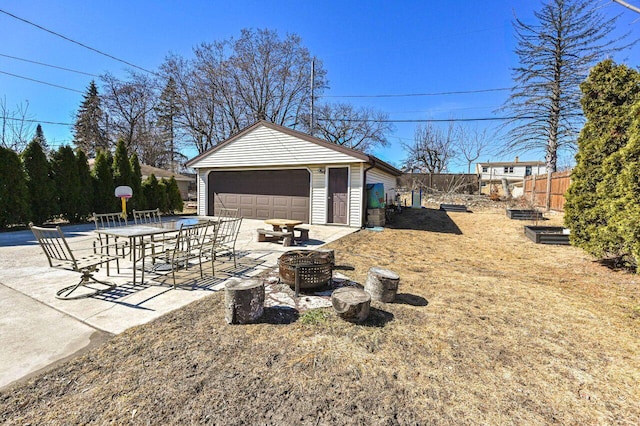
[{"x": 535, "y": 189}]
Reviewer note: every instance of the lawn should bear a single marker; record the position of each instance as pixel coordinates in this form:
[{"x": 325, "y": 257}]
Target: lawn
[{"x": 488, "y": 328}]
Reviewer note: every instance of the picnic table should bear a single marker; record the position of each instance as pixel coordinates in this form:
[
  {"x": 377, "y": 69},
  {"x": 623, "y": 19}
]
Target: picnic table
[
  {"x": 287, "y": 224},
  {"x": 282, "y": 230}
]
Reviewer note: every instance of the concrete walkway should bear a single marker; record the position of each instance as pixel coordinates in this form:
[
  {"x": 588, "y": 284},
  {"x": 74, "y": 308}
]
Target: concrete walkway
[{"x": 37, "y": 330}]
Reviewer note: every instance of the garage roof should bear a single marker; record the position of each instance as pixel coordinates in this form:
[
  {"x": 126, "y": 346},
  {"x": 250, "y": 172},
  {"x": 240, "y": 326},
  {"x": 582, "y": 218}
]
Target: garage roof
[{"x": 369, "y": 159}]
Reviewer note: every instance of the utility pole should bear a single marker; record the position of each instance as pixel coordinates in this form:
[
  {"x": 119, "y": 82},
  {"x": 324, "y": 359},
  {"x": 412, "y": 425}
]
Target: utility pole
[{"x": 313, "y": 77}]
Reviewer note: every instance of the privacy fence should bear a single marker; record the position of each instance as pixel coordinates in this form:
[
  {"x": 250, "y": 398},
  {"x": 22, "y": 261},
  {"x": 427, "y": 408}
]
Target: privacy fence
[{"x": 535, "y": 189}]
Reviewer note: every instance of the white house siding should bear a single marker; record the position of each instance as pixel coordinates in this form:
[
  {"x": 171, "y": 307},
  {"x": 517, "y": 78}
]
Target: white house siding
[
  {"x": 388, "y": 180},
  {"x": 202, "y": 191},
  {"x": 264, "y": 147}
]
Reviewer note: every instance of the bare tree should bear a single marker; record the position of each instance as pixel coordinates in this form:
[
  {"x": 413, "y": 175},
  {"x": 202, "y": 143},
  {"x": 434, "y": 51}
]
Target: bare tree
[
  {"x": 471, "y": 143},
  {"x": 555, "y": 55},
  {"x": 271, "y": 76},
  {"x": 16, "y": 126},
  {"x": 196, "y": 101},
  {"x": 357, "y": 128},
  {"x": 129, "y": 105},
  {"x": 231, "y": 84},
  {"x": 432, "y": 149}
]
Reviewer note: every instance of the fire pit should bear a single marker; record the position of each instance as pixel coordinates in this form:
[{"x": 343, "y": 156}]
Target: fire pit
[{"x": 314, "y": 268}]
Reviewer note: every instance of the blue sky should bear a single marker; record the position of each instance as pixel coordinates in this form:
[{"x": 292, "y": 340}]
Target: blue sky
[{"x": 367, "y": 48}]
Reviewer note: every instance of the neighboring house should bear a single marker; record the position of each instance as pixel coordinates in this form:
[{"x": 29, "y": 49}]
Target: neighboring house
[
  {"x": 186, "y": 184},
  {"x": 270, "y": 171},
  {"x": 495, "y": 176}
]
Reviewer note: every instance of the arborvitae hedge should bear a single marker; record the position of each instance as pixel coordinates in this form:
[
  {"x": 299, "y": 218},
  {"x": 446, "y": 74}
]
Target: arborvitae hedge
[
  {"x": 65, "y": 174},
  {"x": 596, "y": 209},
  {"x": 103, "y": 187},
  {"x": 14, "y": 195},
  {"x": 42, "y": 188},
  {"x": 174, "y": 198}
]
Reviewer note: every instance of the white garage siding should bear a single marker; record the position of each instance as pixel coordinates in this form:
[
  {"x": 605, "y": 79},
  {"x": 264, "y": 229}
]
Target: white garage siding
[
  {"x": 318, "y": 197},
  {"x": 355, "y": 189},
  {"x": 266, "y": 147},
  {"x": 388, "y": 180},
  {"x": 202, "y": 189}
]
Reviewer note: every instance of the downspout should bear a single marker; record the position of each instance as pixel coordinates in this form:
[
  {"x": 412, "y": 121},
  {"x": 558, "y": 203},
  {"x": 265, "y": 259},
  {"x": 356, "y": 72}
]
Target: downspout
[{"x": 364, "y": 192}]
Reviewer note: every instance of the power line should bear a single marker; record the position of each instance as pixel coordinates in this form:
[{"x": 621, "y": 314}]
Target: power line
[
  {"x": 428, "y": 120},
  {"x": 405, "y": 95},
  {"x": 76, "y": 42},
  {"x": 41, "y": 82},
  {"x": 48, "y": 65},
  {"x": 57, "y": 123}
]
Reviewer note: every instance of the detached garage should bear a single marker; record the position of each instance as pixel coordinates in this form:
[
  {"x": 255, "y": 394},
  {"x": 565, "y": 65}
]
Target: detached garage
[{"x": 269, "y": 171}]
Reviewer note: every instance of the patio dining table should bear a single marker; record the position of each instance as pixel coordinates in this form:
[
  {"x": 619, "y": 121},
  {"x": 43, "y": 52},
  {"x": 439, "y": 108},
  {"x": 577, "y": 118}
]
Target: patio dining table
[{"x": 137, "y": 233}]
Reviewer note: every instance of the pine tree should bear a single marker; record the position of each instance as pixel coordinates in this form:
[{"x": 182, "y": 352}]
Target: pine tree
[
  {"x": 14, "y": 195},
  {"x": 42, "y": 188},
  {"x": 593, "y": 198},
  {"x": 104, "y": 189},
  {"x": 167, "y": 111},
  {"x": 65, "y": 174},
  {"x": 41, "y": 139},
  {"x": 88, "y": 131}
]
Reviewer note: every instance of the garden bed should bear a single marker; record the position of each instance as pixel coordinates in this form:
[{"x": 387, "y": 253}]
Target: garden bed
[
  {"x": 547, "y": 234},
  {"x": 524, "y": 214}
]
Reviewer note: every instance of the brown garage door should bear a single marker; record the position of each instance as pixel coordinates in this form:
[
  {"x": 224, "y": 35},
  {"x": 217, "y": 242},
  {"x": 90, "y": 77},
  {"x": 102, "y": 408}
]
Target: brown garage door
[{"x": 261, "y": 194}]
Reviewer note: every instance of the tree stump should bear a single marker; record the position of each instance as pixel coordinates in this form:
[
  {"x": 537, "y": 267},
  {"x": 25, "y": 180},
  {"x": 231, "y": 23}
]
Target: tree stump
[
  {"x": 382, "y": 284},
  {"x": 244, "y": 300},
  {"x": 351, "y": 304}
]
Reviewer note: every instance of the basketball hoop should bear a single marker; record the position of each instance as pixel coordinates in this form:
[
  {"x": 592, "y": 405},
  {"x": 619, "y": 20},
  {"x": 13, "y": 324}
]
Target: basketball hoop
[{"x": 124, "y": 193}]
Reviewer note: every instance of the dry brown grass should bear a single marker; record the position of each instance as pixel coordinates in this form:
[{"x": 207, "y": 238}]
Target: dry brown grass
[{"x": 488, "y": 328}]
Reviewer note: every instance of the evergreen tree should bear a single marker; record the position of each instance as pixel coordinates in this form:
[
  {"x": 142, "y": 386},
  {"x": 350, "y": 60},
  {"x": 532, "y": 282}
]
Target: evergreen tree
[
  {"x": 609, "y": 94},
  {"x": 174, "y": 198},
  {"x": 85, "y": 205},
  {"x": 163, "y": 198},
  {"x": 151, "y": 190},
  {"x": 42, "y": 188},
  {"x": 167, "y": 112},
  {"x": 624, "y": 212},
  {"x": 14, "y": 195},
  {"x": 41, "y": 139},
  {"x": 137, "y": 200},
  {"x": 65, "y": 174},
  {"x": 88, "y": 132},
  {"x": 122, "y": 173},
  {"x": 104, "y": 189}
]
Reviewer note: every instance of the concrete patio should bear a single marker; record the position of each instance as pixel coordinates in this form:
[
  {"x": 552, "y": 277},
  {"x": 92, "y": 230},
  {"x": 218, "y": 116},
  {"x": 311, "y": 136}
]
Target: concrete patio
[{"x": 38, "y": 330}]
